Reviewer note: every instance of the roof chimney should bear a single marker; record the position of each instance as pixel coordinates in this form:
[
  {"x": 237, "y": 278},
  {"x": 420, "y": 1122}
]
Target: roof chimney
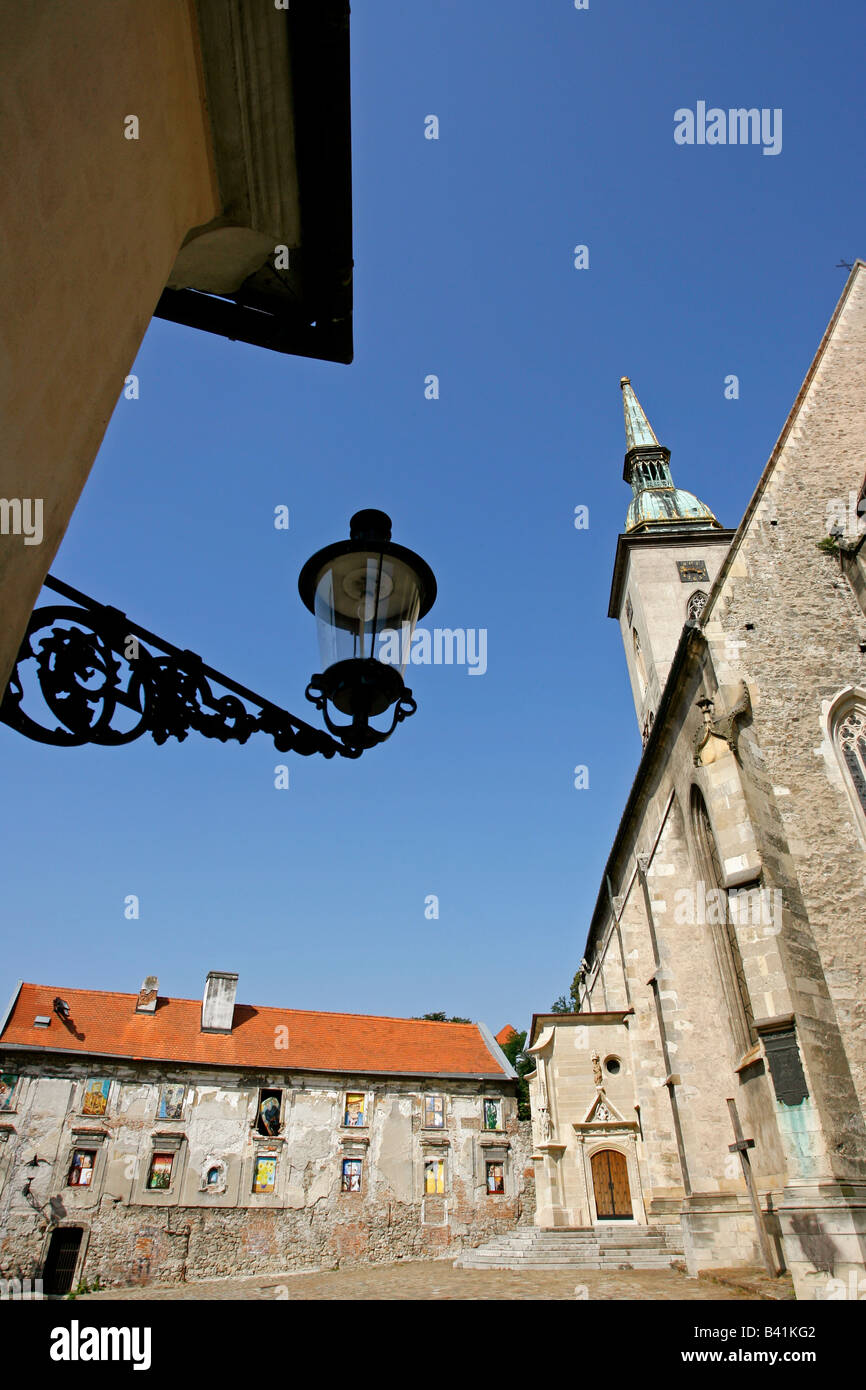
[
  {"x": 218, "y": 1004},
  {"x": 146, "y": 1001}
]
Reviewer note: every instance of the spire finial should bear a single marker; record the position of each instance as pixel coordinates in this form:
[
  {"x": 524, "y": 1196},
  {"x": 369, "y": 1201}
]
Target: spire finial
[{"x": 638, "y": 430}]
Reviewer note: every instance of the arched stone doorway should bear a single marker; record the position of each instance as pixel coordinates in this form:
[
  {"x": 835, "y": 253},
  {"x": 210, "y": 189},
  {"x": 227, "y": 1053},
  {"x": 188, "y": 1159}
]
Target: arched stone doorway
[{"x": 611, "y": 1186}]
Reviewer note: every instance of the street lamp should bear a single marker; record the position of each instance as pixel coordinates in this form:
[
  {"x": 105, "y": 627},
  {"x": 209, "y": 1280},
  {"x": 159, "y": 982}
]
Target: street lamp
[
  {"x": 359, "y": 590},
  {"x": 92, "y": 662}
]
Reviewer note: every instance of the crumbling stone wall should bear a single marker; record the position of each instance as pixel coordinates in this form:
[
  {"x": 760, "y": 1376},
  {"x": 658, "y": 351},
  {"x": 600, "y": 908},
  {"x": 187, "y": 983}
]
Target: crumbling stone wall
[{"x": 133, "y": 1235}]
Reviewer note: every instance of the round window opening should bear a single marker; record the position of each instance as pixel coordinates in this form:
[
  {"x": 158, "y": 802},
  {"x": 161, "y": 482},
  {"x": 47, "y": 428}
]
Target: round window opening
[{"x": 613, "y": 1065}]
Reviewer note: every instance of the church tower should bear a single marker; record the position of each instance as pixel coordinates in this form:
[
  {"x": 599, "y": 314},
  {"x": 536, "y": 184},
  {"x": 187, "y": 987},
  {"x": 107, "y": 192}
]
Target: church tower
[{"x": 666, "y": 560}]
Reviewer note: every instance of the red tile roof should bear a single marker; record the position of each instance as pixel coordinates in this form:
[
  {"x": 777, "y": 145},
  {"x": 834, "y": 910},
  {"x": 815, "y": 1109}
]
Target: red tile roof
[
  {"x": 506, "y": 1034},
  {"x": 106, "y": 1024}
]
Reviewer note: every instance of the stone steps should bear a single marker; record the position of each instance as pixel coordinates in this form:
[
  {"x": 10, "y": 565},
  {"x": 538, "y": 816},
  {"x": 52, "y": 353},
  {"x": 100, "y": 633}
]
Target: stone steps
[{"x": 603, "y": 1247}]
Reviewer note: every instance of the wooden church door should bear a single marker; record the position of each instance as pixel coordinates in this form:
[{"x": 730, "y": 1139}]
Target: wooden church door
[{"x": 610, "y": 1183}]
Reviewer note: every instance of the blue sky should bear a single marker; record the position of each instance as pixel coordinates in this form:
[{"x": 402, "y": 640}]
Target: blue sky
[{"x": 556, "y": 129}]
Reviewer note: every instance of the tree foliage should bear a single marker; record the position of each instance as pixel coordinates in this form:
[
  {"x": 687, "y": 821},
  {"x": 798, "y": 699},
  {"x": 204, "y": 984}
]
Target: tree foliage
[
  {"x": 440, "y": 1018},
  {"x": 522, "y": 1064}
]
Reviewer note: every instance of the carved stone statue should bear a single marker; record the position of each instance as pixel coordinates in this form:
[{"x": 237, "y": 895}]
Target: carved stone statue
[
  {"x": 596, "y": 1070},
  {"x": 713, "y": 731}
]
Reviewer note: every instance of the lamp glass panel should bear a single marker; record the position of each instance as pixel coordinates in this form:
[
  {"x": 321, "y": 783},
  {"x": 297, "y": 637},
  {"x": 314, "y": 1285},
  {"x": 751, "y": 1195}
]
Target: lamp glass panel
[{"x": 361, "y": 600}]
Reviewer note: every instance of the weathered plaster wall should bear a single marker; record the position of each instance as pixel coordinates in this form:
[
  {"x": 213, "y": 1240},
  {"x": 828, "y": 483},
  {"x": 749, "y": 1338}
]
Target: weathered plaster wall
[{"x": 191, "y": 1232}]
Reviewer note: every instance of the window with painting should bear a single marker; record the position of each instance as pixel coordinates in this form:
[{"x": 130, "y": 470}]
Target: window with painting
[
  {"x": 495, "y": 1179},
  {"x": 434, "y": 1112},
  {"x": 159, "y": 1177},
  {"x": 354, "y": 1110},
  {"x": 269, "y": 1112},
  {"x": 492, "y": 1114},
  {"x": 171, "y": 1098},
  {"x": 81, "y": 1170},
  {"x": 351, "y": 1175},
  {"x": 434, "y": 1177},
  {"x": 95, "y": 1100},
  {"x": 8, "y": 1083},
  {"x": 265, "y": 1177}
]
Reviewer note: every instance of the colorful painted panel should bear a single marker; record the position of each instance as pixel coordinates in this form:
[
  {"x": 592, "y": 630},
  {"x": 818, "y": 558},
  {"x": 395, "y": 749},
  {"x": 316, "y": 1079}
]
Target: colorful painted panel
[
  {"x": 495, "y": 1179},
  {"x": 434, "y": 1176},
  {"x": 8, "y": 1082},
  {"x": 81, "y": 1172},
  {"x": 351, "y": 1180},
  {"x": 96, "y": 1095},
  {"x": 270, "y": 1105},
  {"x": 266, "y": 1173},
  {"x": 354, "y": 1114},
  {"x": 160, "y": 1172},
  {"x": 434, "y": 1112},
  {"x": 171, "y": 1098},
  {"x": 492, "y": 1112}
]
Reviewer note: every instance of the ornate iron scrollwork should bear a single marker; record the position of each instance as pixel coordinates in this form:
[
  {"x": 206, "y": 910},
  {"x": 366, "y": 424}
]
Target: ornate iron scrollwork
[
  {"x": 360, "y": 734},
  {"x": 92, "y": 663}
]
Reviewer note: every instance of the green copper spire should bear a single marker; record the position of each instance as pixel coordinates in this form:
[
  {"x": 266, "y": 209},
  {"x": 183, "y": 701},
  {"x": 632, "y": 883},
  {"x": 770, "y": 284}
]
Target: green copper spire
[
  {"x": 638, "y": 429},
  {"x": 656, "y": 505}
]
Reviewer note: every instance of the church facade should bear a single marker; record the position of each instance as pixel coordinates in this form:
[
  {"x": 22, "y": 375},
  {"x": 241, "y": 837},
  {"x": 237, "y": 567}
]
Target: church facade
[{"x": 712, "y": 1082}]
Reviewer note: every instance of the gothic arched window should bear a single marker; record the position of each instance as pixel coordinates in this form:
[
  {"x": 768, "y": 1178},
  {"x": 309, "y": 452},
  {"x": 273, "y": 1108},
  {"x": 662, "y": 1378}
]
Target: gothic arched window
[
  {"x": 696, "y": 604},
  {"x": 724, "y": 932},
  {"x": 849, "y": 737},
  {"x": 639, "y": 663}
]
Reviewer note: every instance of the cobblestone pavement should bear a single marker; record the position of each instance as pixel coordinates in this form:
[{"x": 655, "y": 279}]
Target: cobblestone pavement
[{"x": 437, "y": 1280}]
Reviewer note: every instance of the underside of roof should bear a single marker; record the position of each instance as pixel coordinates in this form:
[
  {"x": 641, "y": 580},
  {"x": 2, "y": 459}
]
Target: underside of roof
[{"x": 275, "y": 268}]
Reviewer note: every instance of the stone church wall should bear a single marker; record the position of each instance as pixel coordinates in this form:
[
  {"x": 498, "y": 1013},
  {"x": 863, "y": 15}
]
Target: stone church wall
[{"x": 787, "y": 622}]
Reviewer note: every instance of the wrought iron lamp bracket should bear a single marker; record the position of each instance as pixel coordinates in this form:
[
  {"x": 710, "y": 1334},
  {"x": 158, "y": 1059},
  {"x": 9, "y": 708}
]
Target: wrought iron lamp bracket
[{"x": 100, "y": 665}]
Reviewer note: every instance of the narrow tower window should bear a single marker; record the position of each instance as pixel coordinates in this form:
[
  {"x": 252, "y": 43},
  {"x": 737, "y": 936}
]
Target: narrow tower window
[
  {"x": 639, "y": 663},
  {"x": 696, "y": 604}
]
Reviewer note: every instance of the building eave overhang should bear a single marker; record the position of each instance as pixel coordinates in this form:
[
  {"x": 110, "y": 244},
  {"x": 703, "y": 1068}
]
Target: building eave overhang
[
  {"x": 276, "y": 86},
  {"x": 542, "y": 1021},
  {"x": 299, "y": 1069},
  {"x": 667, "y": 532}
]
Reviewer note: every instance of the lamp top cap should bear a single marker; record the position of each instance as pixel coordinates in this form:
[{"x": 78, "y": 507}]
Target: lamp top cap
[
  {"x": 625, "y": 381},
  {"x": 371, "y": 526}
]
